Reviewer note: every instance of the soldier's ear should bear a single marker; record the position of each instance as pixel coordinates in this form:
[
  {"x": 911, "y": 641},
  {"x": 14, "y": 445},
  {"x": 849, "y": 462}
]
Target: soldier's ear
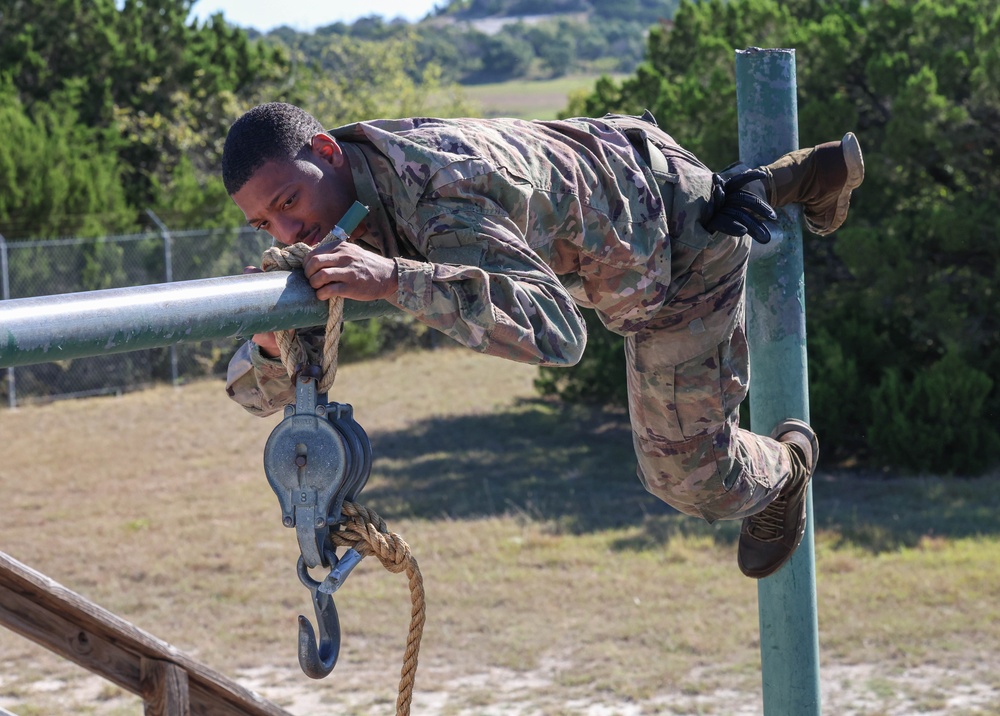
[{"x": 326, "y": 149}]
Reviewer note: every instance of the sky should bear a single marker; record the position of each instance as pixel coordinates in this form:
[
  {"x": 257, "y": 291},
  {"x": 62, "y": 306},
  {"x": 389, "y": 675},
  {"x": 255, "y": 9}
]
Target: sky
[{"x": 307, "y": 15}]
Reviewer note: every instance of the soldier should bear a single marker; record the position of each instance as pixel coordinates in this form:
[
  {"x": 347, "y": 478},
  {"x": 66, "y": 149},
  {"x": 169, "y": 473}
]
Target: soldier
[{"x": 493, "y": 231}]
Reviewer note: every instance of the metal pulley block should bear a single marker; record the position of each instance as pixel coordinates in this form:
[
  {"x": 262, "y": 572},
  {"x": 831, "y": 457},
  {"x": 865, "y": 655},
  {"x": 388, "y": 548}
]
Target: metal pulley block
[
  {"x": 314, "y": 459},
  {"x": 359, "y": 447},
  {"x": 306, "y": 462}
]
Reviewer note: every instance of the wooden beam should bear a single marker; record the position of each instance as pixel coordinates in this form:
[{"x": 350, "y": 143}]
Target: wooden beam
[{"x": 75, "y": 628}]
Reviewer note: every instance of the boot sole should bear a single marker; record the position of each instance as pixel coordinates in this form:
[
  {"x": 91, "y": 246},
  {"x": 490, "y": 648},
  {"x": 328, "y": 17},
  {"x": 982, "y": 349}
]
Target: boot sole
[{"x": 855, "y": 175}]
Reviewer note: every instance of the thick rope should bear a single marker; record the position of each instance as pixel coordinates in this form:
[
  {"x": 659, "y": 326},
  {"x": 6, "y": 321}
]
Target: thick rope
[
  {"x": 363, "y": 529},
  {"x": 293, "y": 351},
  {"x": 367, "y": 533}
]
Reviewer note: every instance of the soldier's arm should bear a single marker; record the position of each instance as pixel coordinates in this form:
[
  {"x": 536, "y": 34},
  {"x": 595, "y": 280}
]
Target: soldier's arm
[
  {"x": 485, "y": 288},
  {"x": 259, "y": 382}
]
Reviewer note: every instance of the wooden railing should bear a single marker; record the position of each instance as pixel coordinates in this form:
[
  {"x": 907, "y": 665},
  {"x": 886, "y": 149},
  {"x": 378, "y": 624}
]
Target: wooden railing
[{"x": 169, "y": 682}]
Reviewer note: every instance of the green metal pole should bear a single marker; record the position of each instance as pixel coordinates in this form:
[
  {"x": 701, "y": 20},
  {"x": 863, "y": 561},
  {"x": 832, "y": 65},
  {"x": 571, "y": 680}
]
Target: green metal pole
[{"x": 776, "y": 327}]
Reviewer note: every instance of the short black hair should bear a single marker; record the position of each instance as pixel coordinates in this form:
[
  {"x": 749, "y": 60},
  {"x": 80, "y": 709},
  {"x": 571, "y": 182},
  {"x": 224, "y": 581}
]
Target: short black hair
[{"x": 272, "y": 131}]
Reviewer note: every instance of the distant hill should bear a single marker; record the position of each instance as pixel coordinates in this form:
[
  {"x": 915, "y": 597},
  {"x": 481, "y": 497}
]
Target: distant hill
[
  {"x": 496, "y": 23},
  {"x": 479, "y": 41},
  {"x": 642, "y": 11}
]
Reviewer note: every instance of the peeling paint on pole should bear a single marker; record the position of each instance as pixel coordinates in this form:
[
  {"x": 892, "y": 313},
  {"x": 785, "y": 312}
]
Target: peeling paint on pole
[{"x": 768, "y": 128}]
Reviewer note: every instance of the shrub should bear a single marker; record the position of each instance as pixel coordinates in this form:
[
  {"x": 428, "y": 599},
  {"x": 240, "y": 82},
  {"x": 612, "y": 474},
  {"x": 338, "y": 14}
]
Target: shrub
[
  {"x": 934, "y": 422},
  {"x": 599, "y": 378}
]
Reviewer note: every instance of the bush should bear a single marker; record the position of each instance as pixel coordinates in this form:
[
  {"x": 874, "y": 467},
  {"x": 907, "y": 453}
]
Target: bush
[
  {"x": 935, "y": 422},
  {"x": 360, "y": 340},
  {"x": 391, "y": 333},
  {"x": 600, "y": 378}
]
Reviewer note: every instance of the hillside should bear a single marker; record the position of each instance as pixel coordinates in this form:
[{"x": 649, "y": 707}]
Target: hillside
[
  {"x": 646, "y": 11},
  {"x": 479, "y": 41}
]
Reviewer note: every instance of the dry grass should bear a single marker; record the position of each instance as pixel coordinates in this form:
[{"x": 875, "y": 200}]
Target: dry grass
[
  {"x": 527, "y": 99},
  {"x": 555, "y": 585}
]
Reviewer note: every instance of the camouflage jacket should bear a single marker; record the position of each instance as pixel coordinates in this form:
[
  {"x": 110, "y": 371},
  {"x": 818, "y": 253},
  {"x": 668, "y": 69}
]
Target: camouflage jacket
[{"x": 500, "y": 227}]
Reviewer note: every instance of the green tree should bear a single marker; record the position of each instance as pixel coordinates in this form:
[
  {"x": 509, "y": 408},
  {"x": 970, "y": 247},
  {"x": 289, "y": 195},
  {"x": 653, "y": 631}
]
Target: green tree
[
  {"x": 351, "y": 80},
  {"x": 504, "y": 56},
  {"x": 554, "y": 43},
  {"x": 911, "y": 278},
  {"x": 54, "y": 178},
  {"x": 153, "y": 86}
]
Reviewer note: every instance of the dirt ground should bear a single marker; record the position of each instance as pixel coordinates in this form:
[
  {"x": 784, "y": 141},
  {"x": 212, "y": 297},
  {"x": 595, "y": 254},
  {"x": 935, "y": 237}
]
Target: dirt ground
[
  {"x": 556, "y": 585},
  {"x": 855, "y": 690}
]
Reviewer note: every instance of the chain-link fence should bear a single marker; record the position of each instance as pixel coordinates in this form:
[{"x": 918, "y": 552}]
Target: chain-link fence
[{"x": 44, "y": 267}]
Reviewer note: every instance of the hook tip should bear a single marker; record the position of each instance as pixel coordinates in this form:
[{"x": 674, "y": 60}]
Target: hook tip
[{"x": 315, "y": 660}]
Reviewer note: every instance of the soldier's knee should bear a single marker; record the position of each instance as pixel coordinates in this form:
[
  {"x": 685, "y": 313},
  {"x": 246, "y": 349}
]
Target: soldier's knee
[{"x": 691, "y": 476}]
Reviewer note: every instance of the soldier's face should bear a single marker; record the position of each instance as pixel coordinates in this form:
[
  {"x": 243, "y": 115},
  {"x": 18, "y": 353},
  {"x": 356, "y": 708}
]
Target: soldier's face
[{"x": 300, "y": 200}]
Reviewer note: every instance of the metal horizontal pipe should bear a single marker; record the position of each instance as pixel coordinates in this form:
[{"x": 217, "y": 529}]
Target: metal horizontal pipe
[{"x": 77, "y": 325}]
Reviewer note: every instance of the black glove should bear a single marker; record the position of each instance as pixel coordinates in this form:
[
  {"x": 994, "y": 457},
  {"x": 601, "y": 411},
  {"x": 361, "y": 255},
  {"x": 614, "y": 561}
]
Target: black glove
[{"x": 735, "y": 211}]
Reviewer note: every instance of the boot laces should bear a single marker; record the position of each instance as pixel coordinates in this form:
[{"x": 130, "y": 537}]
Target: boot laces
[{"x": 768, "y": 525}]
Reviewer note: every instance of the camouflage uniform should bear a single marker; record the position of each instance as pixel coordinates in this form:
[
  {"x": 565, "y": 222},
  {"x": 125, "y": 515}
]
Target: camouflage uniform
[{"x": 498, "y": 227}]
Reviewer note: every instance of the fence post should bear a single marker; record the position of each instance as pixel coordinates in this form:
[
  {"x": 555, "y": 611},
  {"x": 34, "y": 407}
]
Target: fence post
[
  {"x": 5, "y": 278},
  {"x": 768, "y": 128},
  {"x": 168, "y": 262}
]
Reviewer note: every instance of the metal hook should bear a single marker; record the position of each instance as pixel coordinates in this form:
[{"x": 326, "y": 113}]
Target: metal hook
[{"x": 315, "y": 660}]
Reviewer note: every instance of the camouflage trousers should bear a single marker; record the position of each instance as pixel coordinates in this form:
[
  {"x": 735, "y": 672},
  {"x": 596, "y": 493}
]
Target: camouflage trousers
[{"x": 689, "y": 370}]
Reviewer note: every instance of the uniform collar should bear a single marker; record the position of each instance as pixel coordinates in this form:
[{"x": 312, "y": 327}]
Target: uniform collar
[{"x": 381, "y": 227}]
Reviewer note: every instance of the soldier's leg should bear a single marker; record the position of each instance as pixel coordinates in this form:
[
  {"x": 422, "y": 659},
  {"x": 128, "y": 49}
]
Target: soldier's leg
[
  {"x": 688, "y": 372},
  {"x": 691, "y": 451}
]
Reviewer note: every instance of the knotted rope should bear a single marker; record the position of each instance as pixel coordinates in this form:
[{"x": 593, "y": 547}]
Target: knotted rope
[
  {"x": 293, "y": 351},
  {"x": 367, "y": 533},
  {"x": 363, "y": 529}
]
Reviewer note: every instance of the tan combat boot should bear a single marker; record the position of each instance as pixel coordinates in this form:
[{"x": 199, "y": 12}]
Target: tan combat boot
[
  {"x": 770, "y": 537},
  {"x": 821, "y": 179}
]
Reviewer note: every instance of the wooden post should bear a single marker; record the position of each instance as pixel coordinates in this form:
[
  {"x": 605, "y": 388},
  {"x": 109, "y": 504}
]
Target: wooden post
[{"x": 164, "y": 688}]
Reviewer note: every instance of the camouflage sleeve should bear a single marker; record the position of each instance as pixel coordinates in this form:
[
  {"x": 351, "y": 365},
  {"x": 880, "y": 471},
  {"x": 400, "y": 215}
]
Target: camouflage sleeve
[
  {"x": 483, "y": 287},
  {"x": 257, "y": 382},
  {"x": 260, "y": 383}
]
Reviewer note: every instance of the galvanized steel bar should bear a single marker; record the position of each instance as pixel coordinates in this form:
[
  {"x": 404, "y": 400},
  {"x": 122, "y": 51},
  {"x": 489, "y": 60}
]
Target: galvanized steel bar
[
  {"x": 77, "y": 325},
  {"x": 768, "y": 128},
  {"x": 4, "y": 295},
  {"x": 168, "y": 276}
]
